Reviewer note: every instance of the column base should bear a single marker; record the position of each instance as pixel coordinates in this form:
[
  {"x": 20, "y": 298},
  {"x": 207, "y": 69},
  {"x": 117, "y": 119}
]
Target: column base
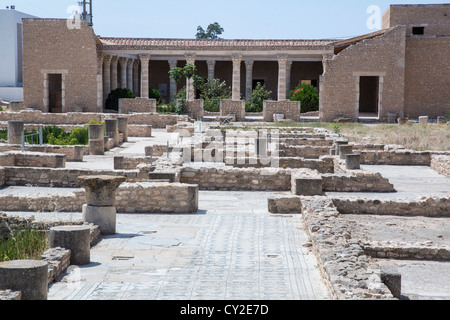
[{"x": 103, "y": 217}]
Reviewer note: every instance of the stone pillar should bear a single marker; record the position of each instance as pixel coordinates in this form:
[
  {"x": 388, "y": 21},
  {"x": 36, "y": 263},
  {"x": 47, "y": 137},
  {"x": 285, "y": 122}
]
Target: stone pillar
[
  {"x": 15, "y": 130},
  {"x": 122, "y": 124},
  {"x": 337, "y": 144},
  {"x": 30, "y": 277},
  {"x": 423, "y": 120},
  {"x": 248, "y": 79},
  {"x": 288, "y": 78},
  {"x": 123, "y": 72},
  {"x": 282, "y": 68},
  {"x": 211, "y": 66},
  {"x": 237, "y": 58},
  {"x": 306, "y": 186},
  {"x": 96, "y": 139},
  {"x": 106, "y": 77},
  {"x": 136, "y": 78},
  {"x": 144, "y": 75},
  {"x": 100, "y": 207},
  {"x": 130, "y": 74},
  {"x": 99, "y": 107},
  {"x": 173, "y": 84},
  {"x": 77, "y": 239},
  {"x": 353, "y": 161},
  {"x": 344, "y": 149},
  {"x": 114, "y": 62},
  {"x": 112, "y": 130},
  {"x": 190, "y": 90}
]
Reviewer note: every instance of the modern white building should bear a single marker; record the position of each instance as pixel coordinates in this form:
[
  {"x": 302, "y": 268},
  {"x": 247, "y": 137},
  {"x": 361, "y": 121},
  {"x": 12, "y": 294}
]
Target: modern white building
[{"x": 11, "y": 54}]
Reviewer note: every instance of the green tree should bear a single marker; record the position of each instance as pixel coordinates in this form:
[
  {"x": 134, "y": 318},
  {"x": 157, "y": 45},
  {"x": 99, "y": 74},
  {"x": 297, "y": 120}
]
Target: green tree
[
  {"x": 189, "y": 72},
  {"x": 112, "y": 102},
  {"x": 213, "y": 31},
  {"x": 212, "y": 91}
]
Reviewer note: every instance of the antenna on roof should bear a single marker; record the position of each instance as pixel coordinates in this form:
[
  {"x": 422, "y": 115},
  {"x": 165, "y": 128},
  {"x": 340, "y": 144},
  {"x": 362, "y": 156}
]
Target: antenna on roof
[{"x": 87, "y": 11}]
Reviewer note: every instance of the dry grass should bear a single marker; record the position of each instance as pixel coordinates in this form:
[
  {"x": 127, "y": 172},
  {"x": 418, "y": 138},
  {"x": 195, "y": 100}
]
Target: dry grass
[{"x": 413, "y": 136}]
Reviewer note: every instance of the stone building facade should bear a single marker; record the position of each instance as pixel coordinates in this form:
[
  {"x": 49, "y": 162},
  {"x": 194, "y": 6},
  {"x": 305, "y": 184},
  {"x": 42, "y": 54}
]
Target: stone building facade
[{"x": 399, "y": 71}]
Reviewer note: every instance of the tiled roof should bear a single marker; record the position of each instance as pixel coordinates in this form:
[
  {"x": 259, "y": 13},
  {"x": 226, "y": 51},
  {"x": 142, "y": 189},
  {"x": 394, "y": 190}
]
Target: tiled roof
[{"x": 201, "y": 44}]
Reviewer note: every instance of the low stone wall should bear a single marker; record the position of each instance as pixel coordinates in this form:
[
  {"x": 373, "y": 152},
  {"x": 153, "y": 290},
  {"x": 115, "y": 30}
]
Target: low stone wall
[
  {"x": 316, "y": 142},
  {"x": 60, "y": 177},
  {"x": 137, "y": 105},
  {"x": 236, "y": 108},
  {"x": 73, "y": 153},
  {"x": 405, "y": 251},
  {"x": 141, "y": 197},
  {"x": 396, "y": 157},
  {"x": 426, "y": 206},
  {"x": 290, "y": 109},
  {"x": 307, "y": 152},
  {"x": 360, "y": 181},
  {"x": 32, "y": 159},
  {"x": 229, "y": 178},
  {"x": 131, "y": 163},
  {"x": 194, "y": 109},
  {"x": 2, "y": 176},
  {"x": 441, "y": 164}
]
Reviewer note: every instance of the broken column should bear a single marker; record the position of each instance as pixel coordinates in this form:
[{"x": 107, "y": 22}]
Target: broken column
[
  {"x": 122, "y": 124},
  {"x": 30, "y": 277},
  {"x": 338, "y": 143},
  {"x": 112, "y": 131},
  {"x": 100, "y": 207},
  {"x": 96, "y": 139},
  {"x": 74, "y": 238},
  {"x": 15, "y": 130}
]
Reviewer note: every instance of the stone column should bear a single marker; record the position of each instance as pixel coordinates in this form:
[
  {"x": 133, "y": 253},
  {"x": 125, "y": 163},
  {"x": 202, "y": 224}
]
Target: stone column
[
  {"x": 130, "y": 74},
  {"x": 114, "y": 62},
  {"x": 99, "y": 107},
  {"x": 190, "y": 90},
  {"x": 74, "y": 238},
  {"x": 173, "y": 84},
  {"x": 112, "y": 130},
  {"x": 96, "y": 139},
  {"x": 122, "y": 124},
  {"x": 282, "y": 66},
  {"x": 15, "y": 130},
  {"x": 211, "y": 66},
  {"x": 136, "y": 77},
  {"x": 288, "y": 77},
  {"x": 237, "y": 58},
  {"x": 248, "y": 78},
  {"x": 123, "y": 72},
  {"x": 30, "y": 277},
  {"x": 144, "y": 75},
  {"x": 106, "y": 76},
  {"x": 100, "y": 207}
]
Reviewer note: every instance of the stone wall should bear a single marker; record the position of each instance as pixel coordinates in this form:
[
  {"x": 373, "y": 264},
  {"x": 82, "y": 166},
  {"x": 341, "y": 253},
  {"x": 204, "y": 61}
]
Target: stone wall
[
  {"x": 194, "y": 109},
  {"x": 237, "y": 108},
  {"x": 141, "y": 197},
  {"x": 307, "y": 152},
  {"x": 426, "y": 206},
  {"x": 356, "y": 182},
  {"x": 137, "y": 105},
  {"x": 441, "y": 164},
  {"x": 32, "y": 159},
  {"x": 2, "y": 176},
  {"x": 290, "y": 109},
  {"x": 382, "y": 56},
  {"x": 396, "y": 157}
]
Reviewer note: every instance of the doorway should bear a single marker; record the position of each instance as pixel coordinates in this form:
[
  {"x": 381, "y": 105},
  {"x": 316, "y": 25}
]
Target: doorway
[
  {"x": 55, "y": 93},
  {"x": 369, "y": 90}
]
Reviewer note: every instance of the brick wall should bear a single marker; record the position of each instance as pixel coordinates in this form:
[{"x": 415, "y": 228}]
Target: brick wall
[
  {"x": 138, "y": 105},
  {"x": 427, "y": 76},
  {"x": 382, "y": 56},
  {"x": 50, "y": 47}
]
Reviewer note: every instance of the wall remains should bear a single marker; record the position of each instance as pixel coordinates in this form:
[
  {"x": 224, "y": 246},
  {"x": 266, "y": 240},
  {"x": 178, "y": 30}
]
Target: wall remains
[
  {"x": 290, "y": 109},
  {"x": 237, "y": 108},
  {"x": 137, "y": 105},
  {"x": 441, "y": 164}
]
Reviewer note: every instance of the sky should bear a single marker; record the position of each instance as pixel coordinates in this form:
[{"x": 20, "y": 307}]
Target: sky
[{"x": 241, "y": 19}]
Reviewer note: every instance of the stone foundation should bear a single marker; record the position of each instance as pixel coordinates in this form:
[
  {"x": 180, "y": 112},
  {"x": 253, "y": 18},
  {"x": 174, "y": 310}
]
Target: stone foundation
[
  {"x": 32, "y": 159},
  {"x": 441, "y": 164},
  {"x": 137, "y": 105},
  {"x": 290, "y": 110}
]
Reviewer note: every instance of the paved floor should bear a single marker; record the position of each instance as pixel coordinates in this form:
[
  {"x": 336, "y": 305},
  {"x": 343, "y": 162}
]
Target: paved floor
[{"x": 232, "y": 249}]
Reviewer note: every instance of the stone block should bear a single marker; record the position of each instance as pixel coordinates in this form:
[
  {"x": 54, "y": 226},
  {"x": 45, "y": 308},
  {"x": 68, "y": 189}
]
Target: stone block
[
  {"x": 306, "y": 186},
  {"x": 344, "y": 150},
  {"x": 353, "y": 161},
  {"x": 101, "y": 190},
  {"x": 15, "y": 129},
  {"x": 393, "y": 280},
  {"x": 97, "y": 147},
  {"x": 423, "y": 120}
]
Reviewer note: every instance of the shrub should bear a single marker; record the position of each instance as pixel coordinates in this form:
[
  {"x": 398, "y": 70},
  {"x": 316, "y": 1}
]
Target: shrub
[
  {"x": 155, "y": 94},
  {"x": 212, "y": 91},
  {"x": 25, "y": 244},
  {"x": 256, "y": 103},
  {"x": 57, "y": 136},
  {"x": 308, "y": 97},
  {"x": 112, "y": 102}
]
